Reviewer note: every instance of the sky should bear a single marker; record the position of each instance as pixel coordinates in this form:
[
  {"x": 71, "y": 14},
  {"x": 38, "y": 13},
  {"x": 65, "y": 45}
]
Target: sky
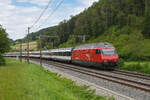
[{"x": 17, "y": 15}]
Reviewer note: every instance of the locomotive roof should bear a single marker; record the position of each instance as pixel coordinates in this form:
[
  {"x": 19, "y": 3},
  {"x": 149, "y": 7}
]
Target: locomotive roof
[{"x": 94, "y": 45}]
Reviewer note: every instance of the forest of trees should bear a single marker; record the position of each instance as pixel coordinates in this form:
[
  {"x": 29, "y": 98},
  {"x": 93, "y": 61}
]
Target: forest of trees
[
  {"x": 4, "y": 44},
  {"x": 124, "y": 23}
]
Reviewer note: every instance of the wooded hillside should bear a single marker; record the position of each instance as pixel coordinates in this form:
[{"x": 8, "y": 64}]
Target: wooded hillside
[{"x": 124, "y": 23}]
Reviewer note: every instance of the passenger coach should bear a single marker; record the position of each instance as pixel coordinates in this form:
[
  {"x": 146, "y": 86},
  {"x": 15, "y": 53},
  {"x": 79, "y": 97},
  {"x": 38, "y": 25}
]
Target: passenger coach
[{"x": 62, "y": 54}]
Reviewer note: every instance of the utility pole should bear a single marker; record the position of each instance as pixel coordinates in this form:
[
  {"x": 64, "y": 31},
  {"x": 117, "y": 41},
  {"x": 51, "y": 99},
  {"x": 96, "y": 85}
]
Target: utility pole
[
  {"x": 84, "y": 36},
  {"x": 20, "y": 52},
  {"x": 41, "y": 36},
  {"x": 52, "y": 44},
  {"x": 40, "y": 51},
  {"x": 28, "y": 46}
]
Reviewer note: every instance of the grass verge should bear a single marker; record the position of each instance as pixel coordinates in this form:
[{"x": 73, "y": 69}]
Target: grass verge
[
  {"x": 140, "y": 67},
  {"x": 20, "y": 81}
]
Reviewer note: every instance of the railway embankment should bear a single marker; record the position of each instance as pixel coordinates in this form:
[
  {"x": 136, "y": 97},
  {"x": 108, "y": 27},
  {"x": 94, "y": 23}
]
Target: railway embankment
[
  {"x": 20, "y": 81},
  {"x": 130, "y": 88}
]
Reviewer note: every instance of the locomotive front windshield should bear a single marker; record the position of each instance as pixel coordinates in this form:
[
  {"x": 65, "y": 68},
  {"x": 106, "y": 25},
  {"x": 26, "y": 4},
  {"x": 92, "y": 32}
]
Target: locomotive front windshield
[{"x": 109, "y": 51}]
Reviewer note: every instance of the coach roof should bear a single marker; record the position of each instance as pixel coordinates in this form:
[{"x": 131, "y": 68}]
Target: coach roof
[{"x": 61, "y": 50}]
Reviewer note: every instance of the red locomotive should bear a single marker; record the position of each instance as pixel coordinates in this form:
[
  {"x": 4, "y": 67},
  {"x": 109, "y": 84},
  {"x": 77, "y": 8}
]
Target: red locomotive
[{"x": 101, "y": 55}]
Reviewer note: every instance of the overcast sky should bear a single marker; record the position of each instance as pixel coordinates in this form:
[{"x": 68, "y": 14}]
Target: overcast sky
[{"x": 17, "y": 15}]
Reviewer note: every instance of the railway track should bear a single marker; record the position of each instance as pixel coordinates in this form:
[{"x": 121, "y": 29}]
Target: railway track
[
  {"x": 133, "y": 74},
  {"x": 144, "y": 86}
]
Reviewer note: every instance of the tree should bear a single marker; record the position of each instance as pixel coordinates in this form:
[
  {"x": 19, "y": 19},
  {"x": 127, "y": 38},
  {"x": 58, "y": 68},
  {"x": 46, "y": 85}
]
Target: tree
[
  {"x": 4, "y": 41},
  {"x": 146, "y": 23},
  {"x": 4, "y": 44}
]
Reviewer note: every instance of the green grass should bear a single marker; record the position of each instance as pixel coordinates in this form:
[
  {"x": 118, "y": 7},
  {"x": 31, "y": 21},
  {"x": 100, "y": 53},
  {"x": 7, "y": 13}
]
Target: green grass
[
  {"x": 141, "y": 67},
  {"x": 20, "y": 81}
]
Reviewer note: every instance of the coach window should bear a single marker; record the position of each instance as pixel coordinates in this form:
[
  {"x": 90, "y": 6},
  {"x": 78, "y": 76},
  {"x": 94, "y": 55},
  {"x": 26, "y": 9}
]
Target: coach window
[
  {"x": 98, "y": 51},
  {"x": 60, "y": 53},
  {"x": 66, "y": 53},
  {"x": 69, "y": 53},
  {"x": 56, "y": 53}
]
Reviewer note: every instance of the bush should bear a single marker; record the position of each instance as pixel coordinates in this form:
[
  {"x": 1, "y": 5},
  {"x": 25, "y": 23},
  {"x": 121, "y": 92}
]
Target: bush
[
  {"x": 2, "y": 60},
  {"x": 137, "y": 67},
  {"x": 121, "y": 62},
  {"x": 134, "y": 67}
]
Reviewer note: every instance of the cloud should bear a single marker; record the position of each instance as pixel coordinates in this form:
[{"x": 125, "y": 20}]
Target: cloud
[
  {"x": 15, "y": 19},
  {"x": 37, "y": 2},
  {"x": 87, "y": 3}
]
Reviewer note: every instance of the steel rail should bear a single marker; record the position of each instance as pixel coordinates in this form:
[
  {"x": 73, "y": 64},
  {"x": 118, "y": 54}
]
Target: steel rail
[{"x": 132, "y": 74}]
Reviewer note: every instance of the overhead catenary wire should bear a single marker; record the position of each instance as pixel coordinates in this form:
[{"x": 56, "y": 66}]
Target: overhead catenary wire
[
  {"x": 42, "y": 13},
  {"x": 59, "y": 4}
]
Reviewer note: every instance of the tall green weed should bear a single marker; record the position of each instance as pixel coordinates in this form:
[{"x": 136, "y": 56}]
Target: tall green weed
[{"x": 2, "y": 60}]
